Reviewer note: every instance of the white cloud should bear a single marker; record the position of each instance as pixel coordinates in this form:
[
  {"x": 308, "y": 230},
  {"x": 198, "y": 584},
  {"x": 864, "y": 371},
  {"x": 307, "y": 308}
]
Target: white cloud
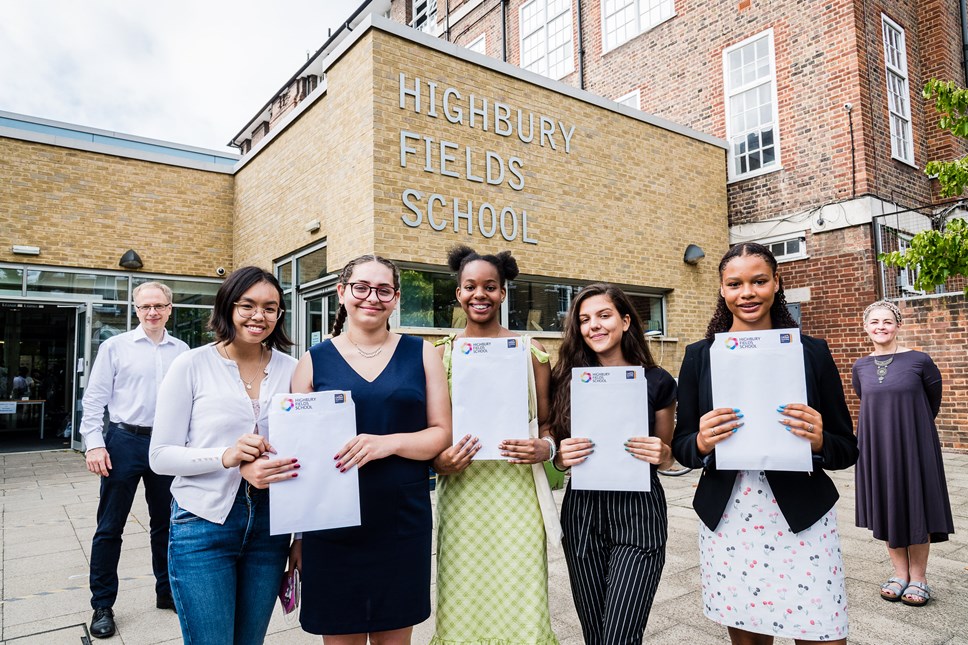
[{"x": 188, "y": 71}]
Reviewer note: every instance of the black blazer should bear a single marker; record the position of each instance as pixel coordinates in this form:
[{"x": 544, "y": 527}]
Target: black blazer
[{"x": 803, "y": 498}]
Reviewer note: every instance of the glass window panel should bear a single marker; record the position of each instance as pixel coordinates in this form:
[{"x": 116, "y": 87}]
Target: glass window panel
[
  {"x": 311, "y": 266},
  {"x": 649, "y": 309},
  {"x": 287, "y": 304},
  {"x": 186, "y": 292},
  {"x": 191, "y": 325},
  {"x": 538, "y": 306},
  {"x": 284, "y": 274},
  {"x": 108, "y": 287},
  {"x": 11, "y": 281},
  {"x": 428, "y": 299},
  {"x": 793, "y": 246}
]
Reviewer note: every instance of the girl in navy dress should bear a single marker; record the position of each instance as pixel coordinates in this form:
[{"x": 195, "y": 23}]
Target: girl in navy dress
[{"x": 373, "y": 581}]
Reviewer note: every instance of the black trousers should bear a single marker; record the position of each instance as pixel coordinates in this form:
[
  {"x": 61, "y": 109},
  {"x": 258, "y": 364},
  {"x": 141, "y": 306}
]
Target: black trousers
[
  {"x": 614, "y": 545},
  {"x": 129, "y": 461}
]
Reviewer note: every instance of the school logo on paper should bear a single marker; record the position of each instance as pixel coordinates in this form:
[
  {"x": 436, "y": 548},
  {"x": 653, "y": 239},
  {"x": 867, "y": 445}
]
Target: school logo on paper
[
  {"x": 785, "y": 339},
  {"x": 512, "y": 342},
  {"x": 586, "y": 377},
  {"x": 339, "y": 397},
  {"x": 732, "y": 343},
  {"x": 287, "y": 405},
  {"x": 466, "y": 348},
  {"x": 629, "y": 375}
]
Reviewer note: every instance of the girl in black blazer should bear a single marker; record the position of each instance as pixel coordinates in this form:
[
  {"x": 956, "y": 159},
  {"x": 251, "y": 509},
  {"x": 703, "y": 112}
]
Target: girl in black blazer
[{"x": 769, "y": 549}]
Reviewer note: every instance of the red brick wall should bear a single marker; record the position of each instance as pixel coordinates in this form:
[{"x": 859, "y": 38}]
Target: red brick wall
[{"x": 939, "y": 327}]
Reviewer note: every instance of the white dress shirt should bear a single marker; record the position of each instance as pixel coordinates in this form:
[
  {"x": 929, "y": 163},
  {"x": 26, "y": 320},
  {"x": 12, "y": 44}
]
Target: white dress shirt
[
  {"x": 203, "y": 408},
  {"x": 126, "y": 376}
]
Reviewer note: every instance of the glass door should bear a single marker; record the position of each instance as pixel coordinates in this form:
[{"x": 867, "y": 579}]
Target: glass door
[
  {"x": 317, "y": 312},
  {"x": 80, "y": 367}
]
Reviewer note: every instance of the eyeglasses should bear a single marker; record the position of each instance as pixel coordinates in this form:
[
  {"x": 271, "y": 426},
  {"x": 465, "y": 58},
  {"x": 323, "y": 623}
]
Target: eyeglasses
[
  {"x": 147, "y": 308},
  {"x": 247, "y": 310},
  {"x": 362, "y": 291}
]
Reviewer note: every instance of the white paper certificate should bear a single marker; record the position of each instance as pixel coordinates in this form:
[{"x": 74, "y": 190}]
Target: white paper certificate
[
  {"x": 489, "y": 391},
  {"x": 610, "y": 405},
  {"x": 312, "y": 428},
  {"x": 756, "y": 372}
]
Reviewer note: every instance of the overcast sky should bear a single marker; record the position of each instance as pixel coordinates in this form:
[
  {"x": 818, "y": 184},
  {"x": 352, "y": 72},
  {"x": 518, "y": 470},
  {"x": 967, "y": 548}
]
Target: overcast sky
[{"x": 186, "y": 71}]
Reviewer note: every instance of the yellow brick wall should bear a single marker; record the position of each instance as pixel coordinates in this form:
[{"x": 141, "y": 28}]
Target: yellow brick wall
[
  {"x": 621, "y": 206},
  {"x": 85, "y": 209},
  {"x": 320, "y": 167}
]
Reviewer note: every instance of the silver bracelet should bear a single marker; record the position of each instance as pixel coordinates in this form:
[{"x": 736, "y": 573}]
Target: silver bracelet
[{"x": 554, "y": 449}]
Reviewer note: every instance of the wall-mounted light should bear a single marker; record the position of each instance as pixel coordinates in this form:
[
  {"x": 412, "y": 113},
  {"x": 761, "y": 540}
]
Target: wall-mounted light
[
  {"x": 693, "y": 255},
  {"x": 131, "y": 260},
  {"x": 312, "y": 226},
  {"x": 21, "y": 249}
]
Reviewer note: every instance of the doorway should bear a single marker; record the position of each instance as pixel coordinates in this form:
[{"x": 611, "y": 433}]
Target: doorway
[
  {"x": 317, "y": 312},
  {"x": 38, "y": 373}
]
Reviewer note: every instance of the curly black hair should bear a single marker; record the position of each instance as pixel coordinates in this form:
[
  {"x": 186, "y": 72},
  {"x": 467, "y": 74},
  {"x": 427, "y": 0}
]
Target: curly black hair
[{"x": 462, "y": 255}]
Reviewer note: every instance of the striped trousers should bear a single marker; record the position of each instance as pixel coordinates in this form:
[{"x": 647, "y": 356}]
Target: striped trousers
[{"x": 614, "y": 545}]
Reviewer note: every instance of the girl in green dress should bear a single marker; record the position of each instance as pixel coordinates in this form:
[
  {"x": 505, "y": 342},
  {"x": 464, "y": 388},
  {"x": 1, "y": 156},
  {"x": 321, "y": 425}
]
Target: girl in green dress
[{"x": 492, "y": 565}]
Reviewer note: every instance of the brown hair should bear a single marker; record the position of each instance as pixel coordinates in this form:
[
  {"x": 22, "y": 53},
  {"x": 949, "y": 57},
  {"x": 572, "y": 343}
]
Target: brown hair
[{"x": 347, "y": 273}]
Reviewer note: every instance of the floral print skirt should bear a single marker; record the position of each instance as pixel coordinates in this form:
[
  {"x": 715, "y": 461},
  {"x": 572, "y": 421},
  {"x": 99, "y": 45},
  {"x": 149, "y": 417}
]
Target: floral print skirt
[{"x": 759, "y": 576}]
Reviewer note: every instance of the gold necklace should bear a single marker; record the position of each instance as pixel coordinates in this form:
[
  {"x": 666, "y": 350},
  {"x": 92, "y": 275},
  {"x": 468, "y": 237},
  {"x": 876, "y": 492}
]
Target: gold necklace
[
  {"x": 259, "y": 367},
  {"x": 371, "y": 354}
]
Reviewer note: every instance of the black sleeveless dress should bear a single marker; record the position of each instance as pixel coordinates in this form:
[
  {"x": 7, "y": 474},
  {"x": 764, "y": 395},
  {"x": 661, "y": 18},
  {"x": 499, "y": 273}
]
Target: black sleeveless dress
[{"x": 374, "y": 577}]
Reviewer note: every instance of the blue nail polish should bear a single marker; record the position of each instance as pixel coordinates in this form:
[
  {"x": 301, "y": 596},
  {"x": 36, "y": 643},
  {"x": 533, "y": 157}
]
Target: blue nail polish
[
  {"x": 781, "y": 408},
  {"x": 739, "y": 415},
  {"x": 736, "y": 410}
]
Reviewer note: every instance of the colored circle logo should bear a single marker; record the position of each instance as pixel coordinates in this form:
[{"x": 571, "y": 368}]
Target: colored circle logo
[
  {"x": 287, "y": 405},
  {"x": 586, "y": 377},
  {"x": 732, "y": 343},
  {"x": 466, "y": 348}
]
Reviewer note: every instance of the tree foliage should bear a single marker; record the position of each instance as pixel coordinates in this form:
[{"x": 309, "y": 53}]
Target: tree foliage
[{"x": 938, "y": 255}]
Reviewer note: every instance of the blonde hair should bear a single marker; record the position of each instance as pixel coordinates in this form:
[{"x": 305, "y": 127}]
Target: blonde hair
[
  {"x": 164, "y": 288},
  {"x": 883, "y": 304}
]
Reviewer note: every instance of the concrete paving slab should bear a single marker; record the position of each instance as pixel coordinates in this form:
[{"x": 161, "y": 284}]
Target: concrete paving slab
[{"x": 49, "y": 500}]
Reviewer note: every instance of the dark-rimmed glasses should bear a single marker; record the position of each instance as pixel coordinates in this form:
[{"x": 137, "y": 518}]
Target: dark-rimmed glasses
[
  {"x": 247, "y": 310},
  {"x": 362, "y": 291}
]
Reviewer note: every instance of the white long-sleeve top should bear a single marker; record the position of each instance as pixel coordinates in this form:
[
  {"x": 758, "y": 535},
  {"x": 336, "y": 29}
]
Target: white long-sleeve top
[
  {"x": 203, "y": 408},
  {"x": 126, "y": 376}
]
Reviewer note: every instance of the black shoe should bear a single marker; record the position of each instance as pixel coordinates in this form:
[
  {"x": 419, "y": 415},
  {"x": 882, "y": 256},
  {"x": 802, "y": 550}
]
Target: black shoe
[
  {"x": 102, "y": 623},
  {"x": 165, "y": 601}
]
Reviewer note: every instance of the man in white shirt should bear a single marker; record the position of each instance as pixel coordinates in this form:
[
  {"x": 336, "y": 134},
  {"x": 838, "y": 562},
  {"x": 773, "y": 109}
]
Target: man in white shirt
[{"x": 126, "y": 376}]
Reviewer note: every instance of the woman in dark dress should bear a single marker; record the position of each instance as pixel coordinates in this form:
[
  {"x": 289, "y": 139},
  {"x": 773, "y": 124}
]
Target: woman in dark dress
[
  {"x": 373, "y": 581},
  {"x": 901, "y": 492}
]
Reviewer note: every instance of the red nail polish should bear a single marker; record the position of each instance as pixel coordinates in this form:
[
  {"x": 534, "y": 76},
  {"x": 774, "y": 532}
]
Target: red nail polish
[
  {"x": 295, "y": 461},
  {"x": 298, "y": 466},
  {"x": 337, "y": 456},
  {"x": 295, "y": 474},
  {"x": 342, "y": 470},
  {"x": 338, "y": 465}
]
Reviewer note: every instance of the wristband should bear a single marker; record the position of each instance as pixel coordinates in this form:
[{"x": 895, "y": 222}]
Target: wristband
[{"x": 551, "y": 444}]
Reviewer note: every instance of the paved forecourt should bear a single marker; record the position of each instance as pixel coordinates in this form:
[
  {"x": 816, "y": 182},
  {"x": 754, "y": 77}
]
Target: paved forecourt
[{"x": 48, "y": 502}]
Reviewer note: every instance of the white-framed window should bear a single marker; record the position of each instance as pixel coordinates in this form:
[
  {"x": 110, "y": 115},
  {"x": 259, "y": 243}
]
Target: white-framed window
[
  {"x": 479, "y": 44},
  {"x": 906, "y": 276},
  {"x": 546, "y": 37},
  {"x": 631, "y": 99},
  {"x": 785, "y": 249},
  {"x": 424, "y": 15},
  {"x": 752, "y": 128},
  {"x": 898, "y": 91},
  {"x": 623, "y": 20}
]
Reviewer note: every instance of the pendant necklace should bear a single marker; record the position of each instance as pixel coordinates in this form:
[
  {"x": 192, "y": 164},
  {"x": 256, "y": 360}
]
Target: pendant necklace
[
  {"x": 371, "y": 354},
  {"x": 882, "y": 365},
  {"x": 248, "y": 384}
]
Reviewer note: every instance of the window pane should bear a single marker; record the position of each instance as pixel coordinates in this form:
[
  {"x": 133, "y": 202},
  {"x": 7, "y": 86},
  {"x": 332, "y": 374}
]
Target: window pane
[
  {"x": 109, "y": 287},
  {"x": 428, "y": 300},
  {"x": 649, "y": 309},
  {"x": 311, "y": 266},
  {"x": 538, "y": 306},
  {"x": 284, "y": 274},
  {"x": 11, "y": 281},
  {"x": 191, "y": 325}
]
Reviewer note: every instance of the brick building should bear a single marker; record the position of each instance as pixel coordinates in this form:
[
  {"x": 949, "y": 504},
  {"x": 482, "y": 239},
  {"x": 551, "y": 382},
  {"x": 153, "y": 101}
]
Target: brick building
[
  {"x": 820, "y": 105},
  {"x": 405, "y": 146}
]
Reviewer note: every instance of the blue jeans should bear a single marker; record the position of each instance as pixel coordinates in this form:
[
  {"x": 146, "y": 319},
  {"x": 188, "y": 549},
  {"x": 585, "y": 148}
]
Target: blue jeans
[
  {"x": 225, "y": 577},
  {"x": 129, "y": 465}
]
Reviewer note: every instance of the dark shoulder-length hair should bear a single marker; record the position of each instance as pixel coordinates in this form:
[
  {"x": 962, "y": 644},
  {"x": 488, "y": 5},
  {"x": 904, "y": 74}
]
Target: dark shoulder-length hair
[
  {"x": 574, "y": 352},
  {"x": 235, "y": 285},
  {"x": 722, "y": 318}
]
